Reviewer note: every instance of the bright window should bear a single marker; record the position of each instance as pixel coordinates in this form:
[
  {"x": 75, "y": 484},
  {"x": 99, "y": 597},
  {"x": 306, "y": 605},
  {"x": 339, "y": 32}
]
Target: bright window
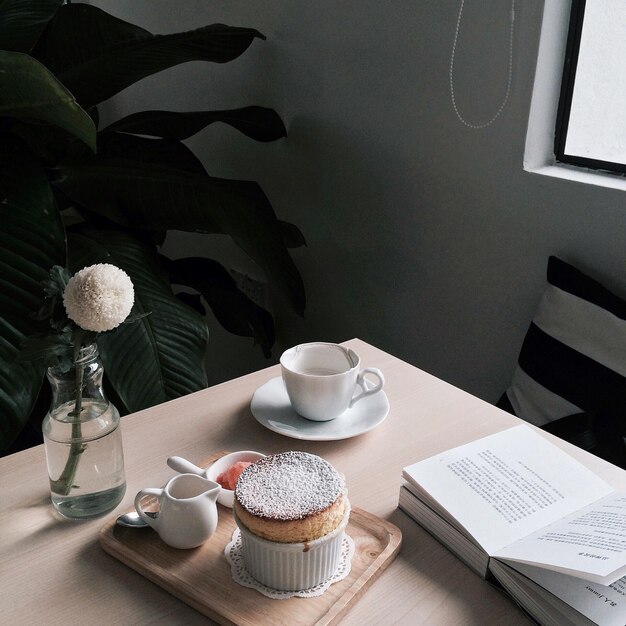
[
  {"x": 589, "y": 111},
  {"x": 591, "y": 121}
]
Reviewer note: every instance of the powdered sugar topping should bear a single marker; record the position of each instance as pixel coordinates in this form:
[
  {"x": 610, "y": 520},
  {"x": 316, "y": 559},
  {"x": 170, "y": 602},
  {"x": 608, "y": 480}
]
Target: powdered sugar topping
[{"x": 287, "y": 486}]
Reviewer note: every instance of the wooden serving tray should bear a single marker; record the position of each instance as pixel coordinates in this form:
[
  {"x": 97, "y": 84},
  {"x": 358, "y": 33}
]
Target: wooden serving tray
[{"x": 201, "y": 577}]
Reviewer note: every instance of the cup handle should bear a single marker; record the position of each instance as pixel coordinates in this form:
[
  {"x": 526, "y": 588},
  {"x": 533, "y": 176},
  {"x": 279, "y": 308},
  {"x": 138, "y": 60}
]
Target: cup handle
[
  {"x": 361, "y": 382},
  {"x": 149, "y": 519}
]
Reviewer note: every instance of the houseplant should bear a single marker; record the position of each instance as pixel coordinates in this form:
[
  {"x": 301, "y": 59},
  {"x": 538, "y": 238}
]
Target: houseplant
[{"x": 73, "y": 195}]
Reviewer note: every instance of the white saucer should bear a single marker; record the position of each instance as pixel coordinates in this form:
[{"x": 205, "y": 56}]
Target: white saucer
[{"x": 271, "y": 408}]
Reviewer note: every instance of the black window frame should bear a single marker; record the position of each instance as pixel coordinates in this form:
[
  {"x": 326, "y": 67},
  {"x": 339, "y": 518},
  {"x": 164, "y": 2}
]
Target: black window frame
[{"x": 570, "y": 65}]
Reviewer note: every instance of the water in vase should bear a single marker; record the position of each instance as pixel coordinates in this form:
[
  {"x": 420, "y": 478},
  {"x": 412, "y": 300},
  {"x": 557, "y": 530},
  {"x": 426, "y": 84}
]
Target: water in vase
[{"x": 85, "y": 459}]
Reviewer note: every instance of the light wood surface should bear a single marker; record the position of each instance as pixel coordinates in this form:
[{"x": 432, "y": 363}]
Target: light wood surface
[
  {"x": 54, "y": 571},
  {"x": 202, "y": 578}
]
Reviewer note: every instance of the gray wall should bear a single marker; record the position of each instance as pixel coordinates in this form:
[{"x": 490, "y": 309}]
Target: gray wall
[{"x": 425, "y": 238}]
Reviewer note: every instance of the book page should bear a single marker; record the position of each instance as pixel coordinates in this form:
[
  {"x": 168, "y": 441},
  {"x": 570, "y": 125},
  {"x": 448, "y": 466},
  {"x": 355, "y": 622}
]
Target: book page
[
  {"x": 604, "y": 605},
  {"x": 590, "y": 543},
  {"x": 505, "y": 486}
]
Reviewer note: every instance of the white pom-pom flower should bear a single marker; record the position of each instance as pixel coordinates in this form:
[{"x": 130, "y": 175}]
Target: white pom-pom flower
[{"x": 99, "y": 297}]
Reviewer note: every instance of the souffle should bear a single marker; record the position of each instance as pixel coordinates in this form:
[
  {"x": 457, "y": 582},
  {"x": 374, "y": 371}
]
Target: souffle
[{"x": 291, "y": 497}]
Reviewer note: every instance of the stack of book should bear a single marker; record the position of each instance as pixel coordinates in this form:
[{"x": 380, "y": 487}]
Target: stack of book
[{"x": 515, "y": 507}]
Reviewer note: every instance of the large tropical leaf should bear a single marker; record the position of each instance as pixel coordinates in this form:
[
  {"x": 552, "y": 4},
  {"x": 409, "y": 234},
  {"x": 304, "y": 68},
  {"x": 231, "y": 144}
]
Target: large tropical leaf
[
  {"x": 22, "y": 21},
  {"x": 29, "y": 92},
  {"x": 96, "y": 55},
  {"x": 232, "y": 308},
  {"x": 147, "y": 195},
  {"x": 257, "y": 123},
  {"x": 50, "y": 143},
  {"x": 160, "y": 356},
  {"x": 161, "y": 152},
  {"x": 32, "y": 240},
  {"x": 292, "y": 235}
]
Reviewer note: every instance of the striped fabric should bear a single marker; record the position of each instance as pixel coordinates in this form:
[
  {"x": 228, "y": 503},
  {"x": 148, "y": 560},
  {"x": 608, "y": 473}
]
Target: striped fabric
[{"x": 573, "y": 359}]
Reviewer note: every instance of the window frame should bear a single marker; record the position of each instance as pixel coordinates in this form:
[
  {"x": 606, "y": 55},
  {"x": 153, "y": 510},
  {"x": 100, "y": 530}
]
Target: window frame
[{"x": 576, "y": 21}]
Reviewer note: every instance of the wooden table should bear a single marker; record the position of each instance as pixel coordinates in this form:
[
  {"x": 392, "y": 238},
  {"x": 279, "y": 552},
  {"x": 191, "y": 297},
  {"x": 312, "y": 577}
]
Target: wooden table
[{"x": 54, "y": 571}]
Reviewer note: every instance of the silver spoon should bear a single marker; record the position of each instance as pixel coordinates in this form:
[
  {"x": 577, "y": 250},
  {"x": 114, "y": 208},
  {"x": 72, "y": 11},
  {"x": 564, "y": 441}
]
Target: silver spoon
[{"x": 132, "y": 520}]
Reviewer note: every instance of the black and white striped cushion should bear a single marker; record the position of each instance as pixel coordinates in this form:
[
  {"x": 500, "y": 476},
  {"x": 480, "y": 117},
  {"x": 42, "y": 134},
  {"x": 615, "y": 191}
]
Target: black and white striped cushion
[{"x": 573, "y": 358}]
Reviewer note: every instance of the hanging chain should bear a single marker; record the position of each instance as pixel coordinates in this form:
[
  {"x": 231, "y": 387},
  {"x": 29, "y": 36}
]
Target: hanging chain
[{"x": 509, "y": 80}]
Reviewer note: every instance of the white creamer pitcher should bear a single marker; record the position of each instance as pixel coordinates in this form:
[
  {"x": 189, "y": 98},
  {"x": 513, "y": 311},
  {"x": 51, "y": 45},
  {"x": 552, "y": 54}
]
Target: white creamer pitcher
[{"x": 187, "y": 513}]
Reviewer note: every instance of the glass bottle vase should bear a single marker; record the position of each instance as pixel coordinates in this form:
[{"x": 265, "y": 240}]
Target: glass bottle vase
[{"x": 83, "y": 441}]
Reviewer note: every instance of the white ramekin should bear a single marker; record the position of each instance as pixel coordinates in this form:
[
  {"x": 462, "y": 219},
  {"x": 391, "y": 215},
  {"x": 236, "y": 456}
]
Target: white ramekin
[{"x": 293, "y": 566}]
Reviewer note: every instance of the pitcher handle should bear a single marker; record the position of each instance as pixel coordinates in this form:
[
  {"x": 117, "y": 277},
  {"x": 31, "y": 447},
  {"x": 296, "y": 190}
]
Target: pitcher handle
[
  {"x": 150, "y": 491},
  {"x": 360, "y": 381}
]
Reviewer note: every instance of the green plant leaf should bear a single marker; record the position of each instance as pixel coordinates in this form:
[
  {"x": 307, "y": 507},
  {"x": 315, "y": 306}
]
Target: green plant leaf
[
  {"x": 29, "y": 92},
  {"x": 96, "y": 55},
  {"x": 52, "y": 350},
  {"x": 256, "y": 122},
  {"x": 31, "y": 241},
  {"x": 292, "y": 236},
  {"x": 50, "y": 143},
  {"x": 160, "y": 356},
  {"x": 146, "y": 195},
  {"x": 194, "y": 300},
  {"x": 23, "y": 21},
  {"x": 231, "y": 307},
  {"x": 176, "y": 155},
  {"x": 161, "y": 152}
]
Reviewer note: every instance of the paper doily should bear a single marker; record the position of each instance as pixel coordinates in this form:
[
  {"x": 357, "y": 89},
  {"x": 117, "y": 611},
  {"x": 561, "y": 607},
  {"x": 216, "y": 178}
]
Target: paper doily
[{"x": 234, "y": 556}]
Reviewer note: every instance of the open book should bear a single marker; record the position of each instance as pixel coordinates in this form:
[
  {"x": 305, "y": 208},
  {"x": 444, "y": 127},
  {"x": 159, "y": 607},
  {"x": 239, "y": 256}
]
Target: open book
[{"x": 515, "y": 506}]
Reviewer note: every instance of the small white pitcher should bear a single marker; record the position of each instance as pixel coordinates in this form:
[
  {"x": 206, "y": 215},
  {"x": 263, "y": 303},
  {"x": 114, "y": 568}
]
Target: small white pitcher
[{"x": 187, "y": 514}]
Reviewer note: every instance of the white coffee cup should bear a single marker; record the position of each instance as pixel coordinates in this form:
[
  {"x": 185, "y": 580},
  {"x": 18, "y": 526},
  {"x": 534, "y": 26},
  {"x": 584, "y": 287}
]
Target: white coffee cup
[{"x": 321, "y": 379}]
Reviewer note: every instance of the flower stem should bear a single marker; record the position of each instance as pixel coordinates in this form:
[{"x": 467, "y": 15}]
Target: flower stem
[{"x": 64, "y": 483}]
